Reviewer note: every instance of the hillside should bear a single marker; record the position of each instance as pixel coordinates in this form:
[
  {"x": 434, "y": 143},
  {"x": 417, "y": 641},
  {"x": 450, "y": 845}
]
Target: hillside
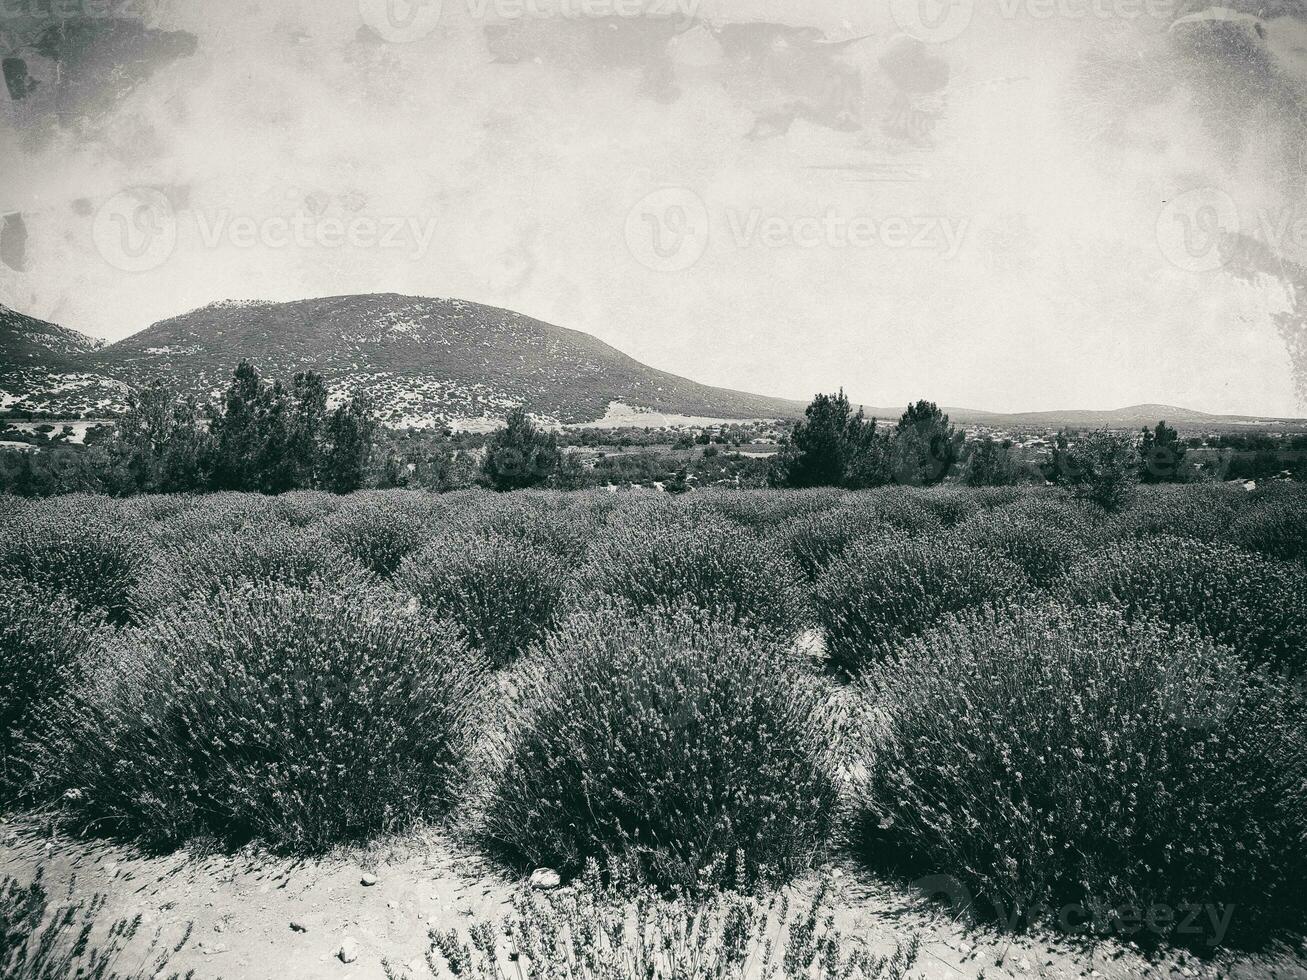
[
  {"x": 421, "y": 359},
  {"x": 428, "y": 361},
  {"x": 1131, "y": 417},
  {"x": 42, "y": 366}
]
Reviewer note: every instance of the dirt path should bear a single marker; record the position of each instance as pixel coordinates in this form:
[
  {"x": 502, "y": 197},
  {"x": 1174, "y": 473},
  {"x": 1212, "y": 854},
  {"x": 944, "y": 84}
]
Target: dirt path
[{"x": 255, "y": 917}]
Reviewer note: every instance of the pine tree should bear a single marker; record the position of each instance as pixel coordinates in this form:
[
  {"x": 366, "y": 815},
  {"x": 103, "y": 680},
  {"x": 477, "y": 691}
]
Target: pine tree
[
  {"x": 830, "y": 445},
  {"x": 519, "y": 455},
  {"x": 350, "y": 432},
  {"x": 1161, "y": 455},
  {"x": 927, "y": 446}
]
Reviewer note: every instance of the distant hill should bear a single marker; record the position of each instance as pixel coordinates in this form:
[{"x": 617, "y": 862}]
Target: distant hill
[
  {"x": 421, "y": 359},
  {"x": 26, "y": 342},
  {"x": 1132, "y": 417},
  {"x": 43, "y": 364},
  {"x": 426, "y": 362}
]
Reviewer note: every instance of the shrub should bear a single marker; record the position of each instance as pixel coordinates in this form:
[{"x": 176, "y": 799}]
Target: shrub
[
  {"x": 79, "y": 548},
  {"x": 879, "y": 592},
  {"x": 218, "y": 512},
  {"x": 154, "y": 507},
  {"x": 952, "y": 505},
  {"x": 301, "y": 508},
  {"x": 708, "y": 564},
  {"x": 1069, "y": 756},
  {"x": 601, "y": 933},
  {"x": 278, "y": 553},
  {"x": 1275, "y": 524},
  {"x": 41, "y": 648},
  {"x": 12, "y": 509},
  {"x": 1041, "y": 535},
  {"x": 40, "y": 942},
  {"x": 669, "y": 744},
  {"x": 765, "y": 511},
  {"x": 540, "y": 518},
  {"x": 818, "y": 539},
  {"x": 503, "y": 592},
  {"x": 906, "y": 509},
  {"x": 1100, "y": 467},
  {"x": 377, "y": 537},
  {"x": 1202, "y": 511},
  {"x": 300, "y": 718},
  {"x": 1256, "y": 605}
]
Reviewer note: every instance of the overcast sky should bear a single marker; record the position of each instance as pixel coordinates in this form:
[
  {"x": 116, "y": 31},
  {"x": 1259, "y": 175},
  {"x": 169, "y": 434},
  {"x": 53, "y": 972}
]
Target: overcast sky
[{"x": 1011, "y": 205}]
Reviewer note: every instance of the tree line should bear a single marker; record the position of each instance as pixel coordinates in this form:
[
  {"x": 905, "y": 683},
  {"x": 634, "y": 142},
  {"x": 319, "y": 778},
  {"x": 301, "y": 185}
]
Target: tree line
[
  {"x": 262, "y": 436},
  {"x": 835, "y": 446},
  {"x": 269, "y": 436}
]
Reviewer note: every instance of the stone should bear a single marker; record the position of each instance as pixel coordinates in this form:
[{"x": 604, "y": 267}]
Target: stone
[
  {"x": 543, "y": 879},
  {"x": 348, "y": 952},
  {"x": 368, "y": 880},
  {"x": 297, "y": 926}
]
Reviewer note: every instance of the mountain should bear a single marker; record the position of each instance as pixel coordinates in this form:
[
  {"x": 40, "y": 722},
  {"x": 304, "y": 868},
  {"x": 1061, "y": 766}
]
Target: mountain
[
  {"x": 41, "y": 364},
  {"x": 431, "y": 361},
  {"x": 421, "y": 359},
  {"x": 29, "y": 343},
  {"x": 1132, "y": 417}
]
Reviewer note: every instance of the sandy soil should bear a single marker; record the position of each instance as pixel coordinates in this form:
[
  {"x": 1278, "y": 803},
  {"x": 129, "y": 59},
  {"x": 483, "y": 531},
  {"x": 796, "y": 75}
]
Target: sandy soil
[{"x": 252, "y": 916}]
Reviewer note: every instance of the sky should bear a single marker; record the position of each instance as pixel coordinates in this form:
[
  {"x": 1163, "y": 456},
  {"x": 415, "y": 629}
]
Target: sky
[{"x": 995, "y": 204}]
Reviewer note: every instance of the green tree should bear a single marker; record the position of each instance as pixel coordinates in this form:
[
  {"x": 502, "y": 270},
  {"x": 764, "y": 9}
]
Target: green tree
[
  {"x": 519, "y": 455},
  {"x": 989, "y": 462},
  {"x": 306, "y": 428},
  {"x": 828, "y": 443},
  {"x": 1098, "y": 466},
  {"x": 350, "y": 432},
  {"x": 927, "y": 447},
  {"x": 1161, "y": 455},
  {"x": 274, "y": 470},
  {"x": 160, "y": 444},
  {"x": 236, "y": 427}
]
